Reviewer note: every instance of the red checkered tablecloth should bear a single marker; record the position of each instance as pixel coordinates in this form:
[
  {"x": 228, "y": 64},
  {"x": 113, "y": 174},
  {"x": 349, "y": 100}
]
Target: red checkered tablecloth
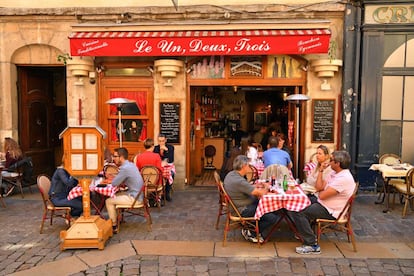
[
  {"x": 108, "y": 191},
  {"x": 167, "y": 172},
  {"x": 260, "y": 168},
  {"x": 296, "y": 201}
]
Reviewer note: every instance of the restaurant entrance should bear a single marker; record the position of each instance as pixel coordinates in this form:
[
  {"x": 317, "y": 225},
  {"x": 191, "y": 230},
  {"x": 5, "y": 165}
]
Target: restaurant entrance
[{"x": 223, "y": 114}]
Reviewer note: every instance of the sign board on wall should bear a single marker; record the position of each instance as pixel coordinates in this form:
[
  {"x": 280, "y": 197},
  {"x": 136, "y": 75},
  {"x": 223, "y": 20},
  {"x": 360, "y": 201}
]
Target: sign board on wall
[
  {"x": 323, "y": 120},
  {"x": 170, "y": 121}
]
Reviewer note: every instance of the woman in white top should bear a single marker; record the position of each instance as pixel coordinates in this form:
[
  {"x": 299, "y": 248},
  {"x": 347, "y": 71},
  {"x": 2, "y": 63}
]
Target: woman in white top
[
  {"x": 322, "y": 158},
  {"x": 249, "y": 150}
]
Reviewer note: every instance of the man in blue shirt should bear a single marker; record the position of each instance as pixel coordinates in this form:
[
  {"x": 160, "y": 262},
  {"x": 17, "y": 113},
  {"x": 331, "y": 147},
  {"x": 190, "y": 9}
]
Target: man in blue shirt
[
  {"x": 131, "y": 177},
  {"x": 275, "y": 155}
]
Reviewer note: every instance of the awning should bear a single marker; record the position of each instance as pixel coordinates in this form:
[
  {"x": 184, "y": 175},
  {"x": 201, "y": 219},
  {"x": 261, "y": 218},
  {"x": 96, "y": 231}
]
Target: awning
[{"x": 200, "y": 43}]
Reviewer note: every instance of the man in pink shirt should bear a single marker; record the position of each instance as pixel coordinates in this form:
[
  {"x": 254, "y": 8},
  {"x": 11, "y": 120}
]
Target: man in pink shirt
[{"x": 332, "y": 198}]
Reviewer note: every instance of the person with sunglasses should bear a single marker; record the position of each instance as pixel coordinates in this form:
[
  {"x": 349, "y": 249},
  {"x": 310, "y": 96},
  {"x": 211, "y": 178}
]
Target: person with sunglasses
[
  {"x": 332, "y": 198},
  {"x": 131, "y": 177}
]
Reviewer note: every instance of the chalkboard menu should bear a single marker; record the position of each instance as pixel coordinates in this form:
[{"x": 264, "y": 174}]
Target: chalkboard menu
[
  {"x": 170, "y": 121},
  {"x": 323, "y": 112}
]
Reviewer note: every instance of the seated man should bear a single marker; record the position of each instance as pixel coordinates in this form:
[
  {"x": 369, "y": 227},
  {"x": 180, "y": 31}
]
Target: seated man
[
  {"x": 245, "y": 196},
  {"x": 332, "y": 198},
  {"x": 166, "y": 151},
  {"x": 148, "y": 157},
  {"x": 275, "y": 155},
  {"x": 130, "y": 176}
]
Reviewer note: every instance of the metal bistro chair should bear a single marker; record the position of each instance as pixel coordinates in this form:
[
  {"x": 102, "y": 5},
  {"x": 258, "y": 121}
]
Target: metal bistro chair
[
  {"x": 154, "y": 183},
  {"x": 342, "y": 223},
  {"x": 50, "y": 210}
]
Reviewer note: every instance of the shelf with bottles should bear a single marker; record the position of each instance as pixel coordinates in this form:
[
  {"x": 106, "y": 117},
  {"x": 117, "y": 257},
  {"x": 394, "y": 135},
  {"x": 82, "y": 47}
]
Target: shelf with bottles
[{"x": 210, "y": 105}]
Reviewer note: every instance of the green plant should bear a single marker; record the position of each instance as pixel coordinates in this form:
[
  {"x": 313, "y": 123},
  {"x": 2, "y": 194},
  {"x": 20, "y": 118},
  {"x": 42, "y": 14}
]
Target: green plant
[
  {"x": 332, "y": 50},
  {"x": 64, "y": 58}
]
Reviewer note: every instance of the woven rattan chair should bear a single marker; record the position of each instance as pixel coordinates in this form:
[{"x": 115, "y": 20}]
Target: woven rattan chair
[
  {"x": 406, "y": 189},
  {"x": 341, "y": 224},
  {"x": 278, "y": 171},
  {"x": 154, "y": 183},
  {"x": 50, "y": 210}
]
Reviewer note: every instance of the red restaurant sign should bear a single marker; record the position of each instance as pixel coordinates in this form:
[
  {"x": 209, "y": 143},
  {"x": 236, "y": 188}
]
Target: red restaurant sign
[{"x": 200, "y": 43}]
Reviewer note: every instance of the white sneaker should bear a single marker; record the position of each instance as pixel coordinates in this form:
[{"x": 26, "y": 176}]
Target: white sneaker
[
  {"x": 251, "y": 237},
  {"x": 308, "y": 249}
]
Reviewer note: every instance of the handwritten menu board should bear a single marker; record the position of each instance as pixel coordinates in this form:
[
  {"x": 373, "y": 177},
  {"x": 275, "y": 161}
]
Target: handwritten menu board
[
  {"x": 323, "y": 112},
  {"x": 170, "y": 121}
]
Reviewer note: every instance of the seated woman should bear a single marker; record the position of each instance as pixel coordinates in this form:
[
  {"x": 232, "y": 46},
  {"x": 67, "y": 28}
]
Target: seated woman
[
  {"x": 11, "y": 154},
  {"x": 249, "y": 150},
  {"x": 322, "y": 169},
  {"x": 62, "y": 183}
]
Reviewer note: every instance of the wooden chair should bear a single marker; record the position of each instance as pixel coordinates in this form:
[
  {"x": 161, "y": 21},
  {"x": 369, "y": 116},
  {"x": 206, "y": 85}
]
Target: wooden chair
[
  {"x": 49, "y": 210},
  {"x": 234, "y": 218},
  {"x": 252, "y": 175},
  {"x": 406, "y": 189},
  {"x": 390, "y": 159},
  {"x": 137, "y": 208},
  {"x": 341, "y": 224},
  {"x": 2, "y": 202},
  {"x": 154, "y": 183},
  {"x": 222, "y": 202}
]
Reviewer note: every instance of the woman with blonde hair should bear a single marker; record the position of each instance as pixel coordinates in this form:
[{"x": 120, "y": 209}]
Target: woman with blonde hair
[
  {"x": 11, "y": 152},
  {"x": 322, "y": 169}
]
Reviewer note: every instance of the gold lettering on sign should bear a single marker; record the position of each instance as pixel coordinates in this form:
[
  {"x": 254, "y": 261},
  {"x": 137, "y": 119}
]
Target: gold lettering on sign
[{"x": 393, "y": 14}]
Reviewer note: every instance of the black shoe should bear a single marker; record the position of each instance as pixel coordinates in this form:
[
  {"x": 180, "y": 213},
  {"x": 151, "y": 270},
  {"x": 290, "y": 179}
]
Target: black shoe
[
  {"x": 168, "y": 197},
  {"x": 114, "y": 229}
]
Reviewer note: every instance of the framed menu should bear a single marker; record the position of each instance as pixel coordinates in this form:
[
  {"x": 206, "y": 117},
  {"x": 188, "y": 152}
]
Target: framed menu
[
  {"x": 170, "y": 121},
  {"x": 323, "y": 120}
]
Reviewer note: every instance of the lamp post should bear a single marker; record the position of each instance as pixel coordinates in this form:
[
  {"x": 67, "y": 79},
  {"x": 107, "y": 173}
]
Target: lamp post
[
  {"x": 119, "y": 102},
  {"x": 297, "y": 99}
]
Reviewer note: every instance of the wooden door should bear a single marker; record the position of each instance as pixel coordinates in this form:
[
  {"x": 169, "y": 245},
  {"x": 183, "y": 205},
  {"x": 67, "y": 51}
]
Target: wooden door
[{"x": 38, "y": 129}]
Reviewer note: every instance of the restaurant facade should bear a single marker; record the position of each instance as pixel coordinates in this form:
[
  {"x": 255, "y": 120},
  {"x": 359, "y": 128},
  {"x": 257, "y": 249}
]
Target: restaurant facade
[{"x": 198, "y": 74}]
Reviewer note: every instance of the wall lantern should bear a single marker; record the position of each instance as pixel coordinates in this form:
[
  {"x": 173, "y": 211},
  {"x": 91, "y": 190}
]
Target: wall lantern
[
  {"x": 81, "y": 68},
  {"x": 168, "y": 68}
]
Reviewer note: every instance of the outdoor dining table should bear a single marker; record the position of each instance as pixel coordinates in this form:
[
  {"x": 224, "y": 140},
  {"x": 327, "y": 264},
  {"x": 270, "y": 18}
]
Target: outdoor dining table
[
  {"x": 104, "y": 191},
  {"x": 388, "y": 172},
  {"x": 294, "y": 199},
  {"x": 168, "y": 170}
]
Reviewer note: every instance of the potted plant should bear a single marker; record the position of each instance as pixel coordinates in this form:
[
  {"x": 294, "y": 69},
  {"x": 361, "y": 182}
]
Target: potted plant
[{"x": 326, "y": 67}]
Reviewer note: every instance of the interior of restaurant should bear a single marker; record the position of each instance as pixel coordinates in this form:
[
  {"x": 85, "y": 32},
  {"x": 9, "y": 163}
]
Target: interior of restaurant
[{"x": 220, "y": 113}]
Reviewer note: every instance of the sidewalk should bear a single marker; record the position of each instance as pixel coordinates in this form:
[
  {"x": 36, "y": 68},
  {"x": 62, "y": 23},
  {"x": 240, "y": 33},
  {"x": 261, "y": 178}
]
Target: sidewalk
[{"x": 184, "y": 241}]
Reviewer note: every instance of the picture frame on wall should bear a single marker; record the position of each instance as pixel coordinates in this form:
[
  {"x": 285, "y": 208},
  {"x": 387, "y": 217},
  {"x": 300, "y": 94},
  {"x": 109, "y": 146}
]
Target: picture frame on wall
[{"x": 260, "y": 118}]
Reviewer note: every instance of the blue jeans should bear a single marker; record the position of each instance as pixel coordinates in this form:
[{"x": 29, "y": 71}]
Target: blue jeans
[
  {"x": 75, "y": 204},
  {"x": 304, "y": 218},
  {"x": 267, "y": 220}
]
